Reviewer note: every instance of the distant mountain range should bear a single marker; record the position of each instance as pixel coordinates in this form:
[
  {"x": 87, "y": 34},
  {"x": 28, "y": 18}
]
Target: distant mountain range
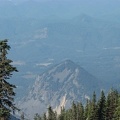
[
  {"x": 59, "y": 86},
  {"x": 41, "y": 34}
]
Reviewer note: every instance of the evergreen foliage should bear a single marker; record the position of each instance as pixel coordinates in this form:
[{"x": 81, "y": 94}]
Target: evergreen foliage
[
  {"x": 102, "y": 107},
  {"x": 116, "y": 115},
  {"x": 6, "y": 89},
  {"x": 80, "y": 111},
  {"x": 87, "y": 110},
  {"x": 63, "y": 115},
  {"x": 74, "y": 111},
  {"x": 51, "y": 114},
  {"x": 93, "y": 110},
  {"x": 112, "y": 100}
]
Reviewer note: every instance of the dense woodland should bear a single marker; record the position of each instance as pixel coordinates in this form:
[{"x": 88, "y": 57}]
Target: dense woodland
[{"x": 107, "y": 107}]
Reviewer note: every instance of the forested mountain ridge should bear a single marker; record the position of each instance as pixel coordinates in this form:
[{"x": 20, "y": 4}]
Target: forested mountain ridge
[
  {"x": 102, "y": 108},
  {"x": 42, "y": 33},
  {"x": 59, "y": 86}
]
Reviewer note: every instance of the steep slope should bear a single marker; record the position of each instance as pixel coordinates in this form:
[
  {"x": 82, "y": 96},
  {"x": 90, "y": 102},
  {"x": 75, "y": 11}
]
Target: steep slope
[
  {"x": 37, "y": 31},
  {"x": 60, "y": 85}
]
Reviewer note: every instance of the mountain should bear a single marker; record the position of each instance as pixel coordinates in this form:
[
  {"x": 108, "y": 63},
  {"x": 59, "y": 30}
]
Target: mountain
[
  {"x": 91, "y": 42},
  {"x": 59, "y": 86},
  {"x": 43, "y": 32}
]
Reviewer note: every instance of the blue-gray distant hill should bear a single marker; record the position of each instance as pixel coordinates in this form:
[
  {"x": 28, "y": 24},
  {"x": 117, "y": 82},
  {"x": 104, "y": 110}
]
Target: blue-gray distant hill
[{"x": 42, "y": 33}]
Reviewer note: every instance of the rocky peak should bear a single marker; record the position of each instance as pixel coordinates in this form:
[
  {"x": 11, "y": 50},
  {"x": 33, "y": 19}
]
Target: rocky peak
[{"x": 65, "y": 80}]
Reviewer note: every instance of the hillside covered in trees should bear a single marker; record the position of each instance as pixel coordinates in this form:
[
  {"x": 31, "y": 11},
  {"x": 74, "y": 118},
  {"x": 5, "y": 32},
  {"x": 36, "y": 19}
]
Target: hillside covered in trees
[{"x": 106, "y": 107}]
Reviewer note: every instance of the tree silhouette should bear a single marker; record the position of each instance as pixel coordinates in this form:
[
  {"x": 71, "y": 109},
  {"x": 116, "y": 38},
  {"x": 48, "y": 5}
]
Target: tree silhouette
[{"x": 6, "y": 89}]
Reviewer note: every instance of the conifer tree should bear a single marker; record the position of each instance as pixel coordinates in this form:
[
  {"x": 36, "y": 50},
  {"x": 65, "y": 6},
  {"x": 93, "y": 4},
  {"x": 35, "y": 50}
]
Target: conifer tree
[
  {"x": 6, "y": 89},
  {"x": 87, "y": 111},
  {"x": 51, "y": 114},
  {"x": 68, "y": 114},
  {"x": 102, "y": 107},
  {"x": 80, "y": 112},
  {"x": 111, "y": 104},
  {"x": 116, "y": 115},
  {"x": 74, "y": 111},
  {"x": 62, "y": 116},
  {"x": 94, "y": 112}
]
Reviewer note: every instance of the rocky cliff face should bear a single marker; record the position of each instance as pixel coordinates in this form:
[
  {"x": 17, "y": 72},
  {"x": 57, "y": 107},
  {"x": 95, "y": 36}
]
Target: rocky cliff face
[{"x": 59, "y": 86}]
